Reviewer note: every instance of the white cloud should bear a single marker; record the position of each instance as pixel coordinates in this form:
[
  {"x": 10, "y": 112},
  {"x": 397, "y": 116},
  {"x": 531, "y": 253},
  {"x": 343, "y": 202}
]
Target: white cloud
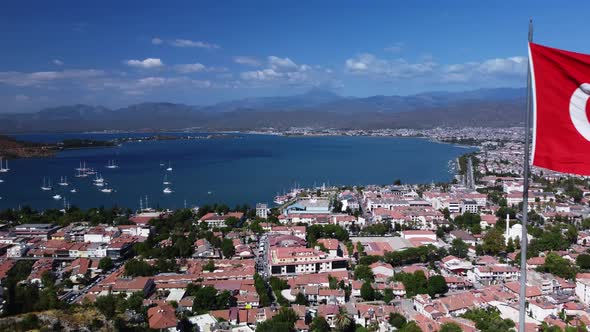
[
  {"x": 36, "y": 78},
  {"x": 498, "y": 68},
  {"x": 284, "y": 71},
  {"x": 192, "y": 43},
  {"x": 493, "y": 69},
  {"x": 261, "y": 75},
  {"x": 57, "y": 62},
  {"x": 190, "y": 68},
  {"x": 281, "y": 64},
  {"x": 395, "y": 48},
  {"x": 246, "y": 60},
  {"x": 368, "y": 64},
  {"x": 157, "y": 41},
  {"x": 146, "y": 63},
  {"x": 140, "y": 86}
]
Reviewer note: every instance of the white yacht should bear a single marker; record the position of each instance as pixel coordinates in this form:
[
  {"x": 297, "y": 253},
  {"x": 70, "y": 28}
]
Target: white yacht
[
  {"x": 73, "y": 190},
  {"x": 169, "y": 169},
  {"x": 166, "y": 182},
  {"x": 57, "y": 197},
  {"x": 106, "y": 190},
  {"x": 64, "y": 181},
  {"x": 112, "y": 164},
  {"x": 4, "y": 169},
  {"x": 167, "y": 190},
  {"x": 46, "y": 184},
  {"x": 99, "y": 181}
]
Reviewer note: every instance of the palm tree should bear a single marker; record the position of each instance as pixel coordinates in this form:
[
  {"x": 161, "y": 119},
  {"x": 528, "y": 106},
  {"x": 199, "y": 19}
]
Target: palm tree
[{"x": 343, "y": 322}]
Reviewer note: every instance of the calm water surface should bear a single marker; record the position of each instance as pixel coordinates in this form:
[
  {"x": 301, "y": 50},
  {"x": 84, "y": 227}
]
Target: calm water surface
[{"x": 248, "y": 169}]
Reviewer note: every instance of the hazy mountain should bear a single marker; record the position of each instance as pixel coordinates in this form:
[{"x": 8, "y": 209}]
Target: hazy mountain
[
  {"x": 313, "y": 97},
  {"x": 316, "y": 108}
]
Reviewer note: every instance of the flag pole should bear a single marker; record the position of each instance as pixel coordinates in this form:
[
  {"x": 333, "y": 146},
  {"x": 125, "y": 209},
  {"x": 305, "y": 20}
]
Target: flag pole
[{"x": 525, "y": 196}]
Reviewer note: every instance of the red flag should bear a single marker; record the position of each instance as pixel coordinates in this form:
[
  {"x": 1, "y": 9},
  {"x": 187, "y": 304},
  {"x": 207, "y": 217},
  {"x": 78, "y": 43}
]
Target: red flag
[{"x": 561, "y": 89}]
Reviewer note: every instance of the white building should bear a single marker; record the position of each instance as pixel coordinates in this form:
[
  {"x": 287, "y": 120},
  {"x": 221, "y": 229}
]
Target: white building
[
  {"x": 413, "y": 234},
  {"x": 493, "y": 274},
  {"x": 583, "y": 289},
  {"x": 262, "y": 210},
  {"x": 514, "y": 232},
  {"x": 17, "y": 250},
  {"x": 468, "y": 205}
]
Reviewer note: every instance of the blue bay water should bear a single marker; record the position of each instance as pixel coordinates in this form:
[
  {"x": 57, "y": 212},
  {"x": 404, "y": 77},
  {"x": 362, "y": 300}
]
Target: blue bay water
[{"x": 248, "y": 169}]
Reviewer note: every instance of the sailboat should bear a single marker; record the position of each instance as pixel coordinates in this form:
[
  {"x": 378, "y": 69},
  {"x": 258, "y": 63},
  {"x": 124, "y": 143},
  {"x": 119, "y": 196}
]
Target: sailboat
[
  {"x": 64, "y": 181},
  {"x": 46, "y": 184},
  {"x": 4, "y": 169},
  {"x": 82, "y": 167},
  {"x": 99, "y": 181},
  {"x": 166, "y": 182},
  {"x": 169, "y": 169},
  {"x": 112, "y": 164}
]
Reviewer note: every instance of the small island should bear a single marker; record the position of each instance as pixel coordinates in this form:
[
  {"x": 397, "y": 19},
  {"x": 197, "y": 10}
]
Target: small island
[{"x": 12, "y": 148}]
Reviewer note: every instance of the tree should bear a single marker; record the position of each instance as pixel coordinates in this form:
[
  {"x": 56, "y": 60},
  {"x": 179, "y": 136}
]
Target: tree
[
  {"x": 367, "y": 291},
  {"x": 107, "y": 305},
  {"x": 510, "y": 246},
  {"x": 319, "y": 324},
  {"x": 388, "y": 295},
  {"x": 210, "y": 266},
  {"x": 205, "y": 299},
  {"x": 558, "y": 266},
  {"x": 105, "y": 264},
  {"x": 459, "y": 248},
  {"x": 437, "y": 286},
  {"x": 415, "y": 283},
  {"x": 450, "y": 327},
  {"x": 332, "y": 282},
  {"x": 363, "y": 272},
  {"x": 489, "y": 320},
  {"x": 411, "y": 327},
  {"x": 138, "y": 268},
  {"x": 227, "y": 248},
  {"x": 283, "y": 321},
  {"x": 493, "y": 242},
  {"x": 301, "y": 299},
  {"x": 343, "y": 322},
  {"x": 397, "y": 320},
  {"x": 583, "y": 261},
  {"x": 360, "y": 249}
]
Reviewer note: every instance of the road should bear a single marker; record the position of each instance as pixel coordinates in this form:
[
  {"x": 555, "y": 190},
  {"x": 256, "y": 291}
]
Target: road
[{"x": 469, "y": 174}]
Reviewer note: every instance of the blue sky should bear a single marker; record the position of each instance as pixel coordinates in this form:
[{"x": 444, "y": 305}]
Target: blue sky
[{"x": 116, "y": 53}]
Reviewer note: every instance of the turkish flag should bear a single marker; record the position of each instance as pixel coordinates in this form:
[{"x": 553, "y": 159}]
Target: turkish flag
[{"x": 561, "y": 130}]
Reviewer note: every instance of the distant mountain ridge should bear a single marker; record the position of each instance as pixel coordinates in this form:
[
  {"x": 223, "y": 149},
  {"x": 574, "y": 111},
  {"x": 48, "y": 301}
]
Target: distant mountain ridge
[{"x": 316, "y": 108}]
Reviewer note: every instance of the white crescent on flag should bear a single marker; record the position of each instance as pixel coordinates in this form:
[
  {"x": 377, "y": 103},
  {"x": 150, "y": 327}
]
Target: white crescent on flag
[{"x": 578, "y": 115}]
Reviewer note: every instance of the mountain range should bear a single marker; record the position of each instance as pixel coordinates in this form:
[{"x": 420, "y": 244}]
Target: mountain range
[{"x": 316, "y": 108}]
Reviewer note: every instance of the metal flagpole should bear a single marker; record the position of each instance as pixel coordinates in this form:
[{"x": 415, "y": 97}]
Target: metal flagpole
[{"x": 525, "y": 196}]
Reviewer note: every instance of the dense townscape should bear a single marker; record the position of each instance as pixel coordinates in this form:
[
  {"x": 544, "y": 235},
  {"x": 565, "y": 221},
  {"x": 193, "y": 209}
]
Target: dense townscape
[{"x": 408, "y": 257}]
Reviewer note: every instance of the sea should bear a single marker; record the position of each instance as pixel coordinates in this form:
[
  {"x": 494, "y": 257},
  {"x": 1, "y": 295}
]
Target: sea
[{"x": 239, "y": 169}]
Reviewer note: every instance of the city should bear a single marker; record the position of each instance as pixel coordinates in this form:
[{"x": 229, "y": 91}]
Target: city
[{"x": 429, "y": 257}]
